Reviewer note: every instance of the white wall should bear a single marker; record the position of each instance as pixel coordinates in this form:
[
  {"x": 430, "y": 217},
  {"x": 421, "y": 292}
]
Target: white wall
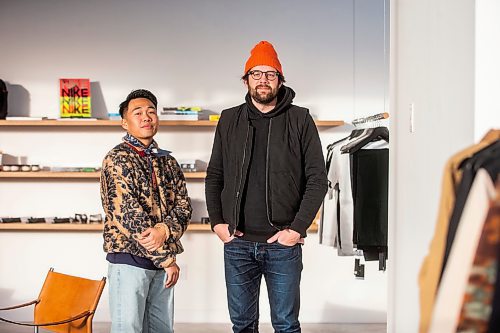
[
  {"x": 432, "y": 66},
  {"x": 487, "y": 78},
  {"x": 192, "y": 52},
  {"x": 188, "y": 53}
]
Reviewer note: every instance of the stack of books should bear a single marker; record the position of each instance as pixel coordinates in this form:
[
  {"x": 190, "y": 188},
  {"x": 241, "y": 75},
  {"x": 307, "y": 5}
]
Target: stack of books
[{"x": 180, "y": 113}]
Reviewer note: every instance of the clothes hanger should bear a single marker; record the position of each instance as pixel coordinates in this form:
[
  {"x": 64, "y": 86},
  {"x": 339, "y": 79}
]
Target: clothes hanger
[
  {"x": 357, "y": 132},
  {"x": 332, "y": 145},
  {"x": 470, "y": 161},
  {"x": 367, "y": 133},
  {"x": 371, "y": 134},
  {"x": 486, "y": 155}
]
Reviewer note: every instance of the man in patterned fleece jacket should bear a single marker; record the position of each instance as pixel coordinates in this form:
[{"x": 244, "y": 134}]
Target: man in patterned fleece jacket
[{"x": 144, "y": 196}]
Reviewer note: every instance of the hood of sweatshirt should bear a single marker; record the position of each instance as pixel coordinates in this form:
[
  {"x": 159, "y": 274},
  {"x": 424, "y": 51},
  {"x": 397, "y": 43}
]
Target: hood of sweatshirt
[{"x": 285, "y": 99}]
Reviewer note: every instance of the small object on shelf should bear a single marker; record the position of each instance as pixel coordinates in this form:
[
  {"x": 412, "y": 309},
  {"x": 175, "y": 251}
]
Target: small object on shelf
[
  {"x": 11, "y": 220},
  {"x": 74, "y": 169},
  {"x": 193, "y": 165},
  {"x": 3, "y": 100},
  {"x": 7, "y": 159},
  {"x": 205, "y": 220},
  {"x": 89, "y": 169},
  {"x": 76, "y": 119},
  {"x": 176, "y": 116},
  {"x": 9, "y": 168},
  {"x": 182, "y": 108},
  {"x": 23, "y": 118},
  {"x": 95, "y": 218},
  {"x": 114, "y": 116},
  {"x": 23, "y": 168},
  {"x": 180, "y": 113},
  {"x": 80, "y": 218},
  {"x": 62, "y": 220},
  {"x": 188, "y": 166},
  {"x": 37, "y": 220},
  {"x": 214, "y": 117},
  {"x": 63, "y": 169}
]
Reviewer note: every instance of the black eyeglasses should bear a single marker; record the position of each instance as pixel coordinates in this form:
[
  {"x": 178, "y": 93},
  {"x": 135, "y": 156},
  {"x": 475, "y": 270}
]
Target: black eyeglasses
[{"x": 270, "y": 75}]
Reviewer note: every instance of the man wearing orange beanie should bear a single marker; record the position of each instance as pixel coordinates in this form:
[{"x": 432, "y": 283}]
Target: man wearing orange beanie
[{"x": 265, "y": 183}]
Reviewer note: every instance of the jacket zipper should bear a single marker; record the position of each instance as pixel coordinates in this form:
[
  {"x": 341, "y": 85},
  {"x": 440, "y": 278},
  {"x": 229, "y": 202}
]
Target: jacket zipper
[
  {"x": 267, "y": 175},
  {"x": 238, "y": 190}
]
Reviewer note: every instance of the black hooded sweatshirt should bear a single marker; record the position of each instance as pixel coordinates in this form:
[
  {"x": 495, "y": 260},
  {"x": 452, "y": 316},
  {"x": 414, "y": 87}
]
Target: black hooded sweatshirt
[
  {"x": 254, "y": 221},
  {"x": 266, "y": 168}
]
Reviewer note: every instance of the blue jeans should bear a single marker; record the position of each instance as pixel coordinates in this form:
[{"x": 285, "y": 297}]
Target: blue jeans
[
  {"x": 245, "y": 263},
  {"x": 139, "y": 301}
]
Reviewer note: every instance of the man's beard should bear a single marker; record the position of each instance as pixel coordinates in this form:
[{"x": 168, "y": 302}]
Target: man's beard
[{"x": 263, "y": 97}]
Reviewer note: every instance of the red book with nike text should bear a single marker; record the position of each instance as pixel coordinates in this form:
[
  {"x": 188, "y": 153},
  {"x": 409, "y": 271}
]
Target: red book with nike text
[{"x": 74, "y": 96}]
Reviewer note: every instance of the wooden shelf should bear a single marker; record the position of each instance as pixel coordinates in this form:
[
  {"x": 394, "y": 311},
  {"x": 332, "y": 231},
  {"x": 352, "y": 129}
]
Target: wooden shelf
[
  {"x": 329, "y": 123},
  {"x": 49, "y": 175},
  {"x": 73, "y": 175},
  {"x": 74, "y": 227},
  {"x": 91, "y": 227},
  {"x": 98, "y": 123},
  {"x": 117, "y": 123}
]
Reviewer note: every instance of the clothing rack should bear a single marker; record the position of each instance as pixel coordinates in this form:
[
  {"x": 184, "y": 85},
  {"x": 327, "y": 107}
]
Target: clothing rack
[{"x": 371, "y": 118}]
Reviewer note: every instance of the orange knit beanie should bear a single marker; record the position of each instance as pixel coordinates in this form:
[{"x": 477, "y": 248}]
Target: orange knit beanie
[{"x": 263, "y": 54}]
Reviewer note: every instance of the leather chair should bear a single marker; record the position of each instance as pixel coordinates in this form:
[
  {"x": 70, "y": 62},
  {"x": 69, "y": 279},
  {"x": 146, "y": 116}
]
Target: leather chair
[{"x": 66, "y": 304}]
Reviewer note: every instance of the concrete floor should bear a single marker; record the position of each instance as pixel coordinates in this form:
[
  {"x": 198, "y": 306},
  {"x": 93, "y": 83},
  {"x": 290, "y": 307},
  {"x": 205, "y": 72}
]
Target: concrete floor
[{"x": 226, "y": 328}]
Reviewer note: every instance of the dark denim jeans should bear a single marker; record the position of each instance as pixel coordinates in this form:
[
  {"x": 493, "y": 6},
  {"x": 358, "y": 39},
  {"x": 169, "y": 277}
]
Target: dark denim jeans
[{"x": 245, "y": 262}]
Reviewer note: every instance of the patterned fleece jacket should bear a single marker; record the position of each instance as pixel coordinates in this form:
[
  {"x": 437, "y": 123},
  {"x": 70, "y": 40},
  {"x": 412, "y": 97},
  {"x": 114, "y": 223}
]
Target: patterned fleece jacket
[{"x": 140, "y": 192}]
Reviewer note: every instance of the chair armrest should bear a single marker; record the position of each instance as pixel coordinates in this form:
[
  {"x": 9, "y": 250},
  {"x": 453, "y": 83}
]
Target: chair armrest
[
  {"x": 20, "y": 305},
  {"x": 54, "y": 323}
]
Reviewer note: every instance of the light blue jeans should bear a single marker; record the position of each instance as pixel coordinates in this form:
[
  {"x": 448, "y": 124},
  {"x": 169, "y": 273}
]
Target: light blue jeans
[{"x": 139, "y": 301}]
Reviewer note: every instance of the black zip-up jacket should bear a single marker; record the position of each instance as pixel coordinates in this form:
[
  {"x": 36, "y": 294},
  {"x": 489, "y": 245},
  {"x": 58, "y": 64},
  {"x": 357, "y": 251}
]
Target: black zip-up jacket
[{"x": 296, "y": 181}]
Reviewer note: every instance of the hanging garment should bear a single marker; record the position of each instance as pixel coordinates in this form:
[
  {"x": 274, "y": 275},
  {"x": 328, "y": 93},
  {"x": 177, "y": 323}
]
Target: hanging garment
[
  {"x": 487, "y": 158},
  {"x": 337, "y": 222},
  {"x": 448, "y": 303},
  {"x": 370, "y": 183},
  {"x": 338, "y": 171},
  {"x": 494, "y": 324},
  {"x": 477, "y": 305},
  {"x": 430, "y": 270},
  {"x": 338, "y": 206}
]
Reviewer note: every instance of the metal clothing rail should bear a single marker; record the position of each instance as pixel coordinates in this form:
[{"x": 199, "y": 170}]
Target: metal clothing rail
[{"x": 369, "y": 119}]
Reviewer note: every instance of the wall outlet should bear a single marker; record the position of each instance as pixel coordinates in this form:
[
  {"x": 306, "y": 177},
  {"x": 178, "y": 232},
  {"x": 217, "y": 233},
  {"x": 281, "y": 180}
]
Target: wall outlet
[{"x": 412, "y": 118}]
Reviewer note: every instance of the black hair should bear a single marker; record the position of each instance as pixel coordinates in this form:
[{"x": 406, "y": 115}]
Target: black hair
[{"x": 139, "y": 93}]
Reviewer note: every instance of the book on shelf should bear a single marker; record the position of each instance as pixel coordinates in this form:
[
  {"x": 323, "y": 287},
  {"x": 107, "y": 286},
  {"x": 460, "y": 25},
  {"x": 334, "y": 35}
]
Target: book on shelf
[
  {"x": 180, "y": 112},
  {"x": 114, "y": 116},
  {"x": 182, "y": 108},
  {"x": 27, "y": 118},
  {"x": 73, "y": 169},
  {"x": 178, "y": 116},
  {"x": 76, "y": 119},
  {"x": 75, "y": 98}
]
